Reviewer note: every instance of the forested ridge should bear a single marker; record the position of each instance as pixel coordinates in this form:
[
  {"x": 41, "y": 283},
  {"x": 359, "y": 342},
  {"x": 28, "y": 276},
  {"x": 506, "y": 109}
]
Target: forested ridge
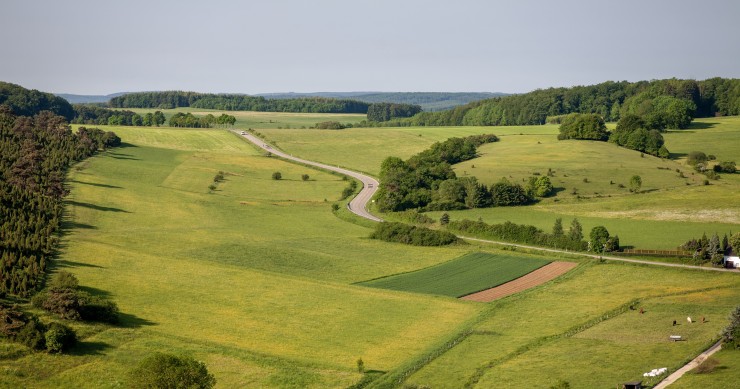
[
  {"x": 28, "y": 102},
  {"x": 35, "y": 153},
  {"x": 234, "y": 102},
  {"x": 670, "y": 100}
]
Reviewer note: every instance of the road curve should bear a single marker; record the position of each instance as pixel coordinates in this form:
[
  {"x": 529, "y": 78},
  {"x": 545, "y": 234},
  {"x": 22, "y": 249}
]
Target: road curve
[{"x": 358, "y": 205}]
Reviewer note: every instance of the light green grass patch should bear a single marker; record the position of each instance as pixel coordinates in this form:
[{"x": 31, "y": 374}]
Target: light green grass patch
[{"x": 462, "y": 276}]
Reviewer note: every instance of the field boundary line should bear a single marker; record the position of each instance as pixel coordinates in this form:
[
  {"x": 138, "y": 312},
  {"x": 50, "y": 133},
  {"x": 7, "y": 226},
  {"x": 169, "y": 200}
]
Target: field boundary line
[{"x": 599, "y": 257}]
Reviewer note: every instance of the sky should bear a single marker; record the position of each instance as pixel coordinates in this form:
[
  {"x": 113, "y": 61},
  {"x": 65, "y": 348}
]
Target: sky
[{"x": 218, "y": 46}]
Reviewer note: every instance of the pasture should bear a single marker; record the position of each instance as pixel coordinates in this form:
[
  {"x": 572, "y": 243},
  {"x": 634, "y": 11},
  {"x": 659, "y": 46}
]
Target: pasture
[
  {"x": 587, "y": 176},
  {"x": 462, "y": 276},
  {"x": 257, "y": 277}
]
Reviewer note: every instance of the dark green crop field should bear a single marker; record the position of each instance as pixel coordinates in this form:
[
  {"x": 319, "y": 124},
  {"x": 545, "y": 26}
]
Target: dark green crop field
[{"x": 462, "y": 276}]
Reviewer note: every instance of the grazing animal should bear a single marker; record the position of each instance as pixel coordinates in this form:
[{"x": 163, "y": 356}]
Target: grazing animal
[
  {"x": 688, "y": 319},
  {"x": 674, "y": 323}
]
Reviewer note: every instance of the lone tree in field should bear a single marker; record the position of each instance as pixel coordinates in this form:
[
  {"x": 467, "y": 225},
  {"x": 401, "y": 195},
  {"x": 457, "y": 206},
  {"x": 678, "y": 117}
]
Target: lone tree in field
[
  {"x": 277, "y": 176},
  {"x": 635, "y": 184},
  {"x": 444, "y": 219},
  {"x": 599, "y": 238},
  {"x": 169, "y": 371},
  {"x": 575, "y": 233},
  {"x": 305, "y": 177},
  {"x": 360, "y": 365},
  {"x": 557, "y": 228}
]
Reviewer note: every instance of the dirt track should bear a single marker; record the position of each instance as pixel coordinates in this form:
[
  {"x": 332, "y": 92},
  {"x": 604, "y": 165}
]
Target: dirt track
[{"x": 530, "y": 280}]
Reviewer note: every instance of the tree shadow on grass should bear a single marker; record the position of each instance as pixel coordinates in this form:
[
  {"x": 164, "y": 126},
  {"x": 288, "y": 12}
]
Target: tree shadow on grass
[
  {"x": 94, "y": 291},
  {"x": 123, "y": 156},
  {"x": 95, "y": 207},
  {"x": 96, "y": 184},
  {"x": 127, "y": 320},
  {"x": 699, "y": 126},
  {"x": 90, "y": 348},
  {"x": 62, "y": 263},
  {"x": 70, "y": 225}
]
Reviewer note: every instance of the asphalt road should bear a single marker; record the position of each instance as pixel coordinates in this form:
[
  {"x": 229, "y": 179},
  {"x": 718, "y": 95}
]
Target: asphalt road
[{"x": 358, "y": 205}]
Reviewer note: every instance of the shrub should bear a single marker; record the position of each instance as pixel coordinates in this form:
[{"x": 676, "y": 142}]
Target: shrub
[
  {"x": 304, "y": 177},
  {"x": 417, "y": 236},
  {"x": 32, "y": 334},
  {"x": 444, "y": 219},
  {"x": 277, "y": 176},
  {"x": 696, "y": 157},
  {"x": 335, "y": 207},
  {"x": 212, "y": 187},
  {"x": 725, "y": 167},
  {"x": 95, "y": 308},
  {"x": 707, "y": 366},
  {"x": 63, "y": 280},
  {"x": 63, "y": 302},
  {"x": 169, "y": 371},
  {"x": 59, "y": 338},
  {"x": 731, "y": 334}
]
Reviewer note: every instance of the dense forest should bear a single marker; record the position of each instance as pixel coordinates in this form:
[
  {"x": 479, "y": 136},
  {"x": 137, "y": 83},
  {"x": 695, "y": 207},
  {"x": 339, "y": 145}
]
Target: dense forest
[
  {"x": 28, "y": 102},
  {"x": 174, "y": 99},
  {"x": 429, "y": 101},
  {"x": 671, "y": 103},
  {"x": 382, "y": 112},
  {"x": 35, "y": 153},
  {"x": 93, "y": 114}
]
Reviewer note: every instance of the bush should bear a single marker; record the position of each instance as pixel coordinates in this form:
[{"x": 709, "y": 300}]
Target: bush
[
  {"x": 696, "y": 157},
  {"x": 63, "y": 280},
  {"x": 63, "y": 302},
  {"x": 95, "y": 308},
  {"x": 725, "y": 167},
  {"x": 707, "y": 366},
  {"x": 416, "y": 236},
  {"x": 304, "y": 177},
  {"x": 169, "y": 371},
  {"x": 59, "y": 338},
  {"x": 277, "y": 176},
  {"x": 32, "y": 334},
  {"x": 731, "y": 334}
]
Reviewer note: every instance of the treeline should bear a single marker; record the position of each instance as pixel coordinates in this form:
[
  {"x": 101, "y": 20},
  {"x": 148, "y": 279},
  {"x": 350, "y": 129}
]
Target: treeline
[
  {"x": 181, "y": 119},
  {"x": 175, "y": 99},
  {"x": 35, "y": 153},
  {"x": 712, "y": 250},
  {"x": 382, "y": 112},
  {"x": 600, "y": 241},
  {"x": 632, "y": 132},
  {"x": 93, "y": 114},
  {"x": 28, "y": 102},
  {"x": 413, "y": 235},
  {"x": 426, "y": 181},
  {"x": 670, "y": 101},
  {"x": 429, "y": 101}
]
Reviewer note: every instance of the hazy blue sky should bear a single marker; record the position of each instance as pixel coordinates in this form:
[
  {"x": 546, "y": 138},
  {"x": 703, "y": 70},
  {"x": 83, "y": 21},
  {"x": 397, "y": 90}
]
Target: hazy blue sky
[{"x": 101, "y": 47}]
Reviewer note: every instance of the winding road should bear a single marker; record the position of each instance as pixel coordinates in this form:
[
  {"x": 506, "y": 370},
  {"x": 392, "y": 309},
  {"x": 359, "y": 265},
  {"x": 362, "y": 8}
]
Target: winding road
[{"x": 358, "y": 205}]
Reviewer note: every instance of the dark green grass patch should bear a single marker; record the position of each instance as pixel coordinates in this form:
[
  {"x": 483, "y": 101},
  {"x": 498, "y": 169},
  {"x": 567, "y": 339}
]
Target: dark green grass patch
[{"x": 462, "y": 276}]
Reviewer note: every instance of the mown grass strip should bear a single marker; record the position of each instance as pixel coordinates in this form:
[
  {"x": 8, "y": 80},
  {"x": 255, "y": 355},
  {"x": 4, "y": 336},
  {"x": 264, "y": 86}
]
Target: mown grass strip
[{"x": 462, "y": 276}]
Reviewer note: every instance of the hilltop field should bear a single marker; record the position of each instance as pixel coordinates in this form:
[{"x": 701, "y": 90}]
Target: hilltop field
[{"x": 265, "y": 283}]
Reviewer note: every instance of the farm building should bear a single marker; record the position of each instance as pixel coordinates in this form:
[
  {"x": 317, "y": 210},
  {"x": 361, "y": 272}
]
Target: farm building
[{"x": 732, "y": 260}]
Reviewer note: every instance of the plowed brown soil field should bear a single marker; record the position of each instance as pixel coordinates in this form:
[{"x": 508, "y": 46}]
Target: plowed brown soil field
[{"x": 530, "y": 280}]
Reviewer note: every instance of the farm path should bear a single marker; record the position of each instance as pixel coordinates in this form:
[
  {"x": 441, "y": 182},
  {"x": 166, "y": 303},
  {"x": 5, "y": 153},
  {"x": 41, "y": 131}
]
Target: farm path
[
  {"x": 527, "y": 281},
  {"x": 594, "y": 256},
  {"x": 358, "y": 205},
  {"x": 689, "y": 366}
]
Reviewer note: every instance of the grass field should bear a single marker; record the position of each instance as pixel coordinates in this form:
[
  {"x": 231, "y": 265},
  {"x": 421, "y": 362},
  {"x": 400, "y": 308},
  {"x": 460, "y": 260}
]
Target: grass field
[
  {"x": 579, "y": 328},
  {"x": 254, "y": 278},
  {"x": 257, "y": 278},
  {"x": 462, "y": 276},
  {"x": 668, "y": 211}
]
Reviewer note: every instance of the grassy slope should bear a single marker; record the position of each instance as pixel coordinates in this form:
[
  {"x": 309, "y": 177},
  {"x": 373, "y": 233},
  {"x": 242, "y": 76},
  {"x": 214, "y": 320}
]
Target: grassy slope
[
  {"x": 462, "y": 276},
  {"x": 253, "y": 279},
  {"x": 554, "y": 332},
  {"x": 669, "y": 211}
]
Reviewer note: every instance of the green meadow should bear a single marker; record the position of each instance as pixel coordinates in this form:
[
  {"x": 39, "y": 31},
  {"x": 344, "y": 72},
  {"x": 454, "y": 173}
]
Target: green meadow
[
  {"x": 262, "y": 281},
  {"x": 462, "y": 276},
  {"x": 591, "y": 179}
]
